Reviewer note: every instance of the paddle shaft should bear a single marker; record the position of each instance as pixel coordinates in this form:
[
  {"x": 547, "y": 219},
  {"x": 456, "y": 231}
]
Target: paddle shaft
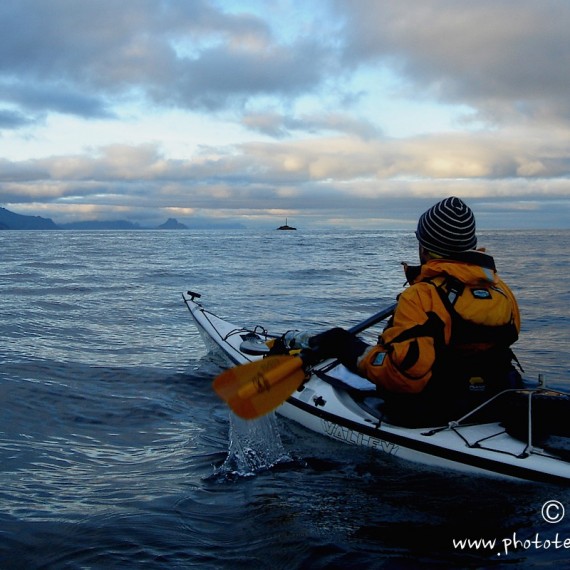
[{"x": 374, "y": 319}]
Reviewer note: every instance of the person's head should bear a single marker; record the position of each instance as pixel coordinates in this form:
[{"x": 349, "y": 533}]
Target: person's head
[{"x": 446, "y": 229}]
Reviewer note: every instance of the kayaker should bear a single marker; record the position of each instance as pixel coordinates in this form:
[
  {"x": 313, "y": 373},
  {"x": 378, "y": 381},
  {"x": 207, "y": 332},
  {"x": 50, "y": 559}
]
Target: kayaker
[{"x": 447, "y": 346}]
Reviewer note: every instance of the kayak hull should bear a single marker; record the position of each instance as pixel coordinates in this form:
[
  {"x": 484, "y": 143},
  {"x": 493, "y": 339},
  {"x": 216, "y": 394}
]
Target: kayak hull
[{"x": 330, "y": 409}]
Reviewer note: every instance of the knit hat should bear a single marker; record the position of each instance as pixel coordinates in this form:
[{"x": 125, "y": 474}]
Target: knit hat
[{"x": 447, "y": 228}]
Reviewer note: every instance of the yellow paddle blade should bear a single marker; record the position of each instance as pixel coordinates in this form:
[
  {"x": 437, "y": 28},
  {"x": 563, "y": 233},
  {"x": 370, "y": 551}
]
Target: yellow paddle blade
[{"x": 256, "y": 388}]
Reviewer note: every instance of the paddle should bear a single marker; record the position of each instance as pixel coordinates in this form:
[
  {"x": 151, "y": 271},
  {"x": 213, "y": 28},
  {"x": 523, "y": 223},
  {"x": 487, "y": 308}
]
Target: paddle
[{"x": 254, "y": 389}]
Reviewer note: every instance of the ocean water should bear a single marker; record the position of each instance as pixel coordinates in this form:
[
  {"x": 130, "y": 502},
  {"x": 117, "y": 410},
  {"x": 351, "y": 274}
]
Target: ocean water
[{"x": 115, "y": 452}]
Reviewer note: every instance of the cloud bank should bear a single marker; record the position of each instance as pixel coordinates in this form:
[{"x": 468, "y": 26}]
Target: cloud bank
[{"x": 248, "y": 110}]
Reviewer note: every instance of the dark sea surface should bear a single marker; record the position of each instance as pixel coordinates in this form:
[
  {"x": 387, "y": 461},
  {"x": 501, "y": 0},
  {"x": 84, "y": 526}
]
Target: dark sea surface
[{"x": 115, "y": 452}]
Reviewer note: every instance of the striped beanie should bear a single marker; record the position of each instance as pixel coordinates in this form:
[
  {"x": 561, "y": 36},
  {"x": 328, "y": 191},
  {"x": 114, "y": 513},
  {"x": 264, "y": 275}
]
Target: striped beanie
[{"x": 447, "y": 228}]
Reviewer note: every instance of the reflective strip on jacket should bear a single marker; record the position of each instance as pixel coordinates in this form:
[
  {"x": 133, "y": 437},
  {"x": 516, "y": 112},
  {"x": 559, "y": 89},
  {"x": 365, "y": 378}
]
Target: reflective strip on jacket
[{"x": 421, "y": 328}]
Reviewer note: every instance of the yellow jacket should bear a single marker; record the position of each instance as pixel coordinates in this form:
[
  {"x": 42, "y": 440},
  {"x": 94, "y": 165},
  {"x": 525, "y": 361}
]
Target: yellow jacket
[{"x": 433, "y": 316}]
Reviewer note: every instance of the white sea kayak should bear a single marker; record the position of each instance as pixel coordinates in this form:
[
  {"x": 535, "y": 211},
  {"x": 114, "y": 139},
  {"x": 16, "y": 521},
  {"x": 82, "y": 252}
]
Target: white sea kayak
[{"x": 341, "y": 405}]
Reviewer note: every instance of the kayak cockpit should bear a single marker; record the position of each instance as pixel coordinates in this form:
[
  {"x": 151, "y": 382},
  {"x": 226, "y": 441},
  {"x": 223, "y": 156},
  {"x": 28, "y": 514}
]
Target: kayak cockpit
[{"x": 524, "y": 415}]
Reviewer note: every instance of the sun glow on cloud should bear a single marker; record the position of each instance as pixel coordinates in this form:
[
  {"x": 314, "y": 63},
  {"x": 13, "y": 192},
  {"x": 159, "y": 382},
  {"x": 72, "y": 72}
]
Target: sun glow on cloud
[{"x": 344, "y": 113}]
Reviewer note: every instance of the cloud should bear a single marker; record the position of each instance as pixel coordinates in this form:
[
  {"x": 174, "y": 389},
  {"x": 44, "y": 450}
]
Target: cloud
[
  {"x": 76, "y": 55},
  {"x": 10, "y": 119},
  {"x": 508, "y": 61},
  {"x": 56, "y": 98},
  {"x": 224, "y": 75},
  {"x": 284, "y": 107},
  {"x": 280, "y": 125},
  {"x": 458, "y": 156},
  {"x": 339, "y": 173}
]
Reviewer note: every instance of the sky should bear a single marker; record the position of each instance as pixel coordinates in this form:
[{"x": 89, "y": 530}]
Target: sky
[{"x": 332, "y": 113}]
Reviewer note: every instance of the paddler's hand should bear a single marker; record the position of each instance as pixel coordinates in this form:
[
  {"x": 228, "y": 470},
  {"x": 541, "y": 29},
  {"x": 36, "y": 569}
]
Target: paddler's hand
[
  {"x": 290, "y": 343},
  {"x": 339, "y": 343}
]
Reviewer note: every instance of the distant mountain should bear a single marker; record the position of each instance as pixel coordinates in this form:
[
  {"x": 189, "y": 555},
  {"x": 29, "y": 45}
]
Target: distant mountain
[
  {"x": 172, "y": 224},
  {"x": 101, "y": 225},
  {"x": 11, "y": 221}
]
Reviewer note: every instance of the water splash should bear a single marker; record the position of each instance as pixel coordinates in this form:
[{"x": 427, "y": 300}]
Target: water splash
[{"x": 255, "y": 445}]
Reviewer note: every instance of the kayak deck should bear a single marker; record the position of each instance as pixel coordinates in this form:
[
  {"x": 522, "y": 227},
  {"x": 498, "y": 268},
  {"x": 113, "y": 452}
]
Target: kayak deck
[{"x": 343, "y": 406}]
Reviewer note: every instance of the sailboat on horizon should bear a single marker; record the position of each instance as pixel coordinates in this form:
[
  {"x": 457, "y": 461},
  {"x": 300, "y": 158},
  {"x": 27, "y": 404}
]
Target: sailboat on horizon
[{"x": 286, "y": 226}]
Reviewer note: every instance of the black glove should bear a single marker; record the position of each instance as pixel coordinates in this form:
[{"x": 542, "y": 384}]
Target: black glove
[
  {"x": 339, "y": 343},
  {"x": 278, "y": 347}
]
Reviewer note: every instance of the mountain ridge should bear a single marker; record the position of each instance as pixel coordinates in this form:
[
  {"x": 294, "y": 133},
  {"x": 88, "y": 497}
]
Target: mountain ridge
[{"x": 12, "y": 221}]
